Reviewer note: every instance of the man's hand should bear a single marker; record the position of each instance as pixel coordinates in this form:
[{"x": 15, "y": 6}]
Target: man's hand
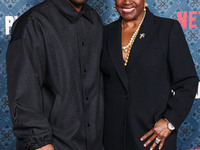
[
  {"x": 47, "y": 147},
  {"x": 160, "y": 131}
]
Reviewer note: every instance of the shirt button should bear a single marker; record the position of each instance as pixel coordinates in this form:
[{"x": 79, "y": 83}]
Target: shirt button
[
  {"x": 88, "y": 125},
  {"x": 85, "y": 70},
  {"x": 87, "y": 98},
  {"x": 82, "y": 43},
  {"x": 125, "y": 96}
]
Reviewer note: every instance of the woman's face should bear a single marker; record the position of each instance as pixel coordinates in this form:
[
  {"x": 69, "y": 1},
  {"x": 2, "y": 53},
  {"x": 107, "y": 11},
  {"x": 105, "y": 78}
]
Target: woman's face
[{"x": 130, "y": 9}]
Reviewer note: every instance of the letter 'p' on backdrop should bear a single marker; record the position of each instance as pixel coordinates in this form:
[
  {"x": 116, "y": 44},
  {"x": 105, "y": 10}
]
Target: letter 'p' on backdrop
[{"x": 186, "y": 11}]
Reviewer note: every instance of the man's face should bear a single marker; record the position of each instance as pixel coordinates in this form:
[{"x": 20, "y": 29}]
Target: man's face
[{"x": 78, "y": 2}]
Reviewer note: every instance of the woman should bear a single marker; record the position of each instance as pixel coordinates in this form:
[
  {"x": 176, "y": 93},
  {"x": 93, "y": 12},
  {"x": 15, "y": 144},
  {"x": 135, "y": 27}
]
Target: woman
[{"x": 150, "y": 79}]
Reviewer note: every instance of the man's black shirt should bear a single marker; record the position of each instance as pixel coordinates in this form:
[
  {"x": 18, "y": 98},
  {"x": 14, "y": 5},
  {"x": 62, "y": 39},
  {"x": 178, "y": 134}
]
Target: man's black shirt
[{"x": 54, "y": 80}]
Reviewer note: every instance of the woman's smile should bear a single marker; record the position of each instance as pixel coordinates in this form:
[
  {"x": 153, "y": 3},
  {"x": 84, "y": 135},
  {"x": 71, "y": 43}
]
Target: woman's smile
[{"x": 128, "y": 10}]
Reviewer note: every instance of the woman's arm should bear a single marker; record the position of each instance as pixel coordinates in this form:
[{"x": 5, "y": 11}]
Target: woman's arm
[
  {"x": 184, "y": 79},
  {"x": 184, "y": 82}
]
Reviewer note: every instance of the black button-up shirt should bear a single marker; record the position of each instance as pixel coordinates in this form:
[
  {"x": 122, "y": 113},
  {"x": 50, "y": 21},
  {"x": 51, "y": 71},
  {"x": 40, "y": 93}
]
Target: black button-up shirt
[{"x": 54, "y": 80}]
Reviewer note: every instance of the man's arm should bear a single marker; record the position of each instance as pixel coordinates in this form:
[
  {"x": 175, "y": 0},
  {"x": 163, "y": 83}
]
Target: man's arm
[{"x": 26, "y": 72}]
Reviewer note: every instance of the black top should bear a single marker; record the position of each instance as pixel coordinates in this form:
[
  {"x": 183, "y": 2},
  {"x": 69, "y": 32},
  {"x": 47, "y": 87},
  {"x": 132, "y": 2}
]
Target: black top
[
  {"x": 54, "y": 80},
  {"x": 137, "y": 98}
]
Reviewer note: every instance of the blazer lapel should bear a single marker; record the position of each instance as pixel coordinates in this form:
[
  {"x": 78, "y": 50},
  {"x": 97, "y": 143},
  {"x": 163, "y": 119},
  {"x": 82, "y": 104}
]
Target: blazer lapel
[
  {"x": 114, "y": 48},
  {"x": 147, "y": 29}
]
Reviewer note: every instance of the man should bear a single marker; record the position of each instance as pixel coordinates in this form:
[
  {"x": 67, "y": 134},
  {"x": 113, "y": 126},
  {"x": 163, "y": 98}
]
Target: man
[{"x": 54, "y": 80}]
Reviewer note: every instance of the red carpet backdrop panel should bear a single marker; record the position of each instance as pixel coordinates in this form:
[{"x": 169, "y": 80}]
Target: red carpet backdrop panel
[{"x": 186, "y": 11}]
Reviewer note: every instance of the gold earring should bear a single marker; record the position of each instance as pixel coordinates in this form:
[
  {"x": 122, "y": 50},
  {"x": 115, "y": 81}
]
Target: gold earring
[
  {"x": 145, "y": 6},
  {"x": 115, "y": 7}
]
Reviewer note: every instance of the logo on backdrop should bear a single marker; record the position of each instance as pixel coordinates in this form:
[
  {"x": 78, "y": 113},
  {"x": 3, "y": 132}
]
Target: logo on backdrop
[
  {"x": 198, "y": 92},
  {"x": 187, "y": 19},
  {"x": 9, "y": 20}
]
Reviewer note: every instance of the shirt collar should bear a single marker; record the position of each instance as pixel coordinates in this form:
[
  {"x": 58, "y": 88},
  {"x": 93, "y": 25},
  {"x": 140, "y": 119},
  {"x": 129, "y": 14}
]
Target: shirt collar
[{"x": 70, "y": 12}]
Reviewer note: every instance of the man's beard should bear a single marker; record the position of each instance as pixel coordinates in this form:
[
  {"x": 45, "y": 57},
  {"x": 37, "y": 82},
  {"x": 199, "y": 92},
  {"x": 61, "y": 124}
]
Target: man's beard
[{"x": 78, "y": 2}]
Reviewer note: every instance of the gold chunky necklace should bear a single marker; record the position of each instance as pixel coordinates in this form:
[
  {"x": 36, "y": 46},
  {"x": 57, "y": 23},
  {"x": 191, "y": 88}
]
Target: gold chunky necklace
[{"x": 127, "y": 48}]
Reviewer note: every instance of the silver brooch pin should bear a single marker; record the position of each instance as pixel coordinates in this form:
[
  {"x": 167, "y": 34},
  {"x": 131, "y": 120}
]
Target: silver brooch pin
[{"x": 142, "y": 35}]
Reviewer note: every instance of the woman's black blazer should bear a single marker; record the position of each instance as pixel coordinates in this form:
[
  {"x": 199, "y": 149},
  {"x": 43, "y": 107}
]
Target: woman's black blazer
[{"x": 138, "y": 96}]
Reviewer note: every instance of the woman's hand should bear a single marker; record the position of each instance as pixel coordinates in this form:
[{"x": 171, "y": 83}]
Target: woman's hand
[
  {"x": 47, "y": 147},
  {"x": 160, "y": 131}
]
